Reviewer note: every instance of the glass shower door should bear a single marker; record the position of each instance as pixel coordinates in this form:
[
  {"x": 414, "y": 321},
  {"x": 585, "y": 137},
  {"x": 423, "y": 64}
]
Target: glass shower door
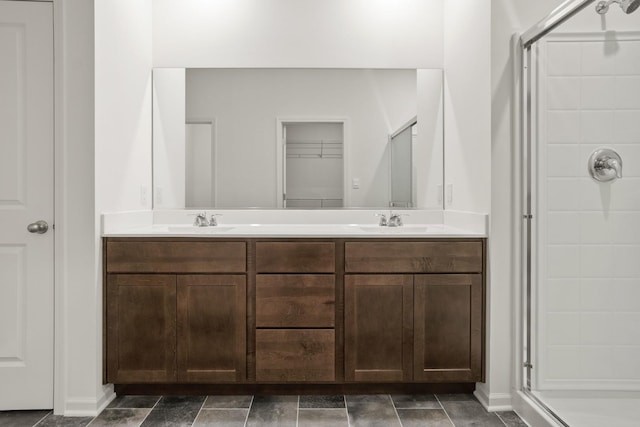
[{"x": 583, "y": 164}]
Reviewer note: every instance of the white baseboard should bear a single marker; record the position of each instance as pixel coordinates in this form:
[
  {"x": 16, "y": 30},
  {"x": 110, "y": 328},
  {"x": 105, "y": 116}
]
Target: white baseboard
[
  {"x": 494, "y": 402},
  {"x": 87, "y": 406}
]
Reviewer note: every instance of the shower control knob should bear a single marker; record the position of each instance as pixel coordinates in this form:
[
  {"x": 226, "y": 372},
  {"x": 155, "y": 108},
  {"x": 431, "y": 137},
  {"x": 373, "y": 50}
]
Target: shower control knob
[{"x": 605, "y": 165}]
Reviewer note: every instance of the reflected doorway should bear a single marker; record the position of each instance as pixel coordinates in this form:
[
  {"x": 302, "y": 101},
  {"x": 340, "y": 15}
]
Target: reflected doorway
[{"x": 312, "y": 164}]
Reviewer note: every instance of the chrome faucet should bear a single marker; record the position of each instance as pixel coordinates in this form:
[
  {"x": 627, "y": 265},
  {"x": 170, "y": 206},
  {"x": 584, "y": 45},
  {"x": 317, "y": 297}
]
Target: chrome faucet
[
  {"x": 605, "y": 165},
  {"x": 611, "y": 164},
  {"x": 383, "y": 220},
  {"x": 201, "y": 220},
  {"x": 395, "y": 220},
  {"x": 213, "y": 222}
]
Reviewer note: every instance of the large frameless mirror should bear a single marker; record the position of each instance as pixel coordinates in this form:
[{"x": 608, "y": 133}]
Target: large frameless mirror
[{"x": 297, "y": 138}]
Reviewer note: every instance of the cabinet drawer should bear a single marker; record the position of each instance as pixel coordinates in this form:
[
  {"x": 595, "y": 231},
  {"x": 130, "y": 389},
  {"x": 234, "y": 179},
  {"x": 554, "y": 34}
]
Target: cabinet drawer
[
  {"x": 295, "y": 355},
  {"x": 295, "y": 257},
  {"x": 413, "y": 257},
  {"x": 176, "y": 257},
  {"x": 295, "y": 300}
]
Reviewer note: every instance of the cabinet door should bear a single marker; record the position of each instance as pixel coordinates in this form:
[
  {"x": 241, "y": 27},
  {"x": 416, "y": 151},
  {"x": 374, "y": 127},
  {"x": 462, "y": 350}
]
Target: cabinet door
[
  {"x": 141, "y": 328},
  {"x": 211, "y": 328},
  {"x": 378, "y": 327},
  {"x": 448, "y": 328}
]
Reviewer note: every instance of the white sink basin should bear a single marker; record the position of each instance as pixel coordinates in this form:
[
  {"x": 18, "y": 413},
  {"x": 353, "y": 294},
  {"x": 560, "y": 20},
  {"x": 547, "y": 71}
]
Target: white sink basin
[
  {"x": 404, "y": 229},
  {"x": 190, "y": 229},
  {"x": 293, "y": 229}
]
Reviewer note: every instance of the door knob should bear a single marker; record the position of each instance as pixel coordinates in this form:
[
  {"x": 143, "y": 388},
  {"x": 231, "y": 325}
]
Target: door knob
[{"x": 39, "y": 227}]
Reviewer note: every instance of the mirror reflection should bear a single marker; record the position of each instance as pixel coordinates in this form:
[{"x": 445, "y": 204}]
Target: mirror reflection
[{"x": 297, "y": 138}]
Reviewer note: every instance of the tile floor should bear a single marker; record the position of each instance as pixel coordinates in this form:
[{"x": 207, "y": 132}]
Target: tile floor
[{"x": 380, "y": 410}]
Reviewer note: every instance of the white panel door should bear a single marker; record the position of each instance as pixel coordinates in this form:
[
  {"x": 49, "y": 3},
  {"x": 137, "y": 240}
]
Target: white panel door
[{"x": 26, "y": 196}]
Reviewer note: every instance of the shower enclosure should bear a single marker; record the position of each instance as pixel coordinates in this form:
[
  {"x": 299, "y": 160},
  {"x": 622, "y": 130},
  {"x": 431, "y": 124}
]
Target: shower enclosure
[{"x": 579, "y": 82}]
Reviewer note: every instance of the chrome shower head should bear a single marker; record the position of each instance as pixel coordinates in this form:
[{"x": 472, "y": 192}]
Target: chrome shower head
[
  {"x": 627, "y": 6},
  {"x": 630, "y": 6}
]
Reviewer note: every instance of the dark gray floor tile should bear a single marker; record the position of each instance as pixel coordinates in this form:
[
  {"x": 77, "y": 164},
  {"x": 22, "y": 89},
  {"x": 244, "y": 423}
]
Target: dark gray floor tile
[
  {"x": 511, "y": 419},
  {"x": 275, "y": 399},
  {"x": 120, "y": 418},
  {"x": 371, "y": 411},
  {"x": 424, "y": 418},
  {"x": 60, "y": 421},
  {"x": 133, "y": 402},
  {"x": 322, "y": 418},
  {"x": 174, "y": 417},
  {"x": 221, "y": 418},
  {"x": 458, "y": 397},
  {"x": 276, "y": 411},
  {"x": 415, "y": 401},
  {"x": 181, "y": 402},
  {"x": 230, "y": 402},
  {"x": 321, "y": 402},
  {"x": 464, "y": 414},
  {"x": 370, "y": 398},
  {"x": 174, "y": 411},
  {"x": 21, "y": 418}
]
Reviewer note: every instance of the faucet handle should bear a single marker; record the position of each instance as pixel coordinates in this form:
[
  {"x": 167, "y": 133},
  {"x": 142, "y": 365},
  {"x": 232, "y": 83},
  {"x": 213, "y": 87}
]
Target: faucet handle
[
  {"x": 605, "y": 165},
  {"x": 213, "y": 221},
  {"x": 200, "y": 220},
  {"x": 614, "y": 165},
  {"x": 395, "y": 219},
  {"x": 383, "y": 219}
]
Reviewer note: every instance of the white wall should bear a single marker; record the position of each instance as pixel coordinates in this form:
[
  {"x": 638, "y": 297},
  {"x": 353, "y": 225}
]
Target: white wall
[
  {"x": 107, "y": 102},
  {"x": 123, "y": 104},
  {"x": 467, "y": 157},
  {"x": 467, "y": 104},
  {"x": 428, "y": 152},
  {"x": 298, "y": 33},
  {"x": 77, "y": 301},
  {"x": 169, "y": 141},
  {"x": 507, "y": 18}
]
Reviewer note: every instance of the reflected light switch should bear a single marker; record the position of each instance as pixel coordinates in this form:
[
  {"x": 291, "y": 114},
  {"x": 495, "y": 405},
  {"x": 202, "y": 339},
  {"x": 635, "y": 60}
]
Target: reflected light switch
[{"x": 355, "y": 183}]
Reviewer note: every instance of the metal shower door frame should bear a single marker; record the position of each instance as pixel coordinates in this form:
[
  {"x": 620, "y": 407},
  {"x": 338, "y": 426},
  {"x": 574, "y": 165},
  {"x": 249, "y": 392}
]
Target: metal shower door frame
[{"x": 525, "y": 73}]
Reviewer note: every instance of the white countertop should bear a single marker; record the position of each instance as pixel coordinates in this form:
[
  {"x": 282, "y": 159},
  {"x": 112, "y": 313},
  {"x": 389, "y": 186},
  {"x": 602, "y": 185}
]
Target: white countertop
[
  {"x": 295, "y": 223},
  {"x": 297, "y": 230}
]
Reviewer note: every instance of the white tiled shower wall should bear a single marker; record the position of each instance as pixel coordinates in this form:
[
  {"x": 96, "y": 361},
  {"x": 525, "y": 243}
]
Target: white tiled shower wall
[{"x": 589, "y": 232}]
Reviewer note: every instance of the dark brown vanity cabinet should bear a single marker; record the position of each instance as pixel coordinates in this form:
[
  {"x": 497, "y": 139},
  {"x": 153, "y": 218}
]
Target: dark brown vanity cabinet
[
  {"x": 175, "y": 326},
  {"x": 447, "y": 313},
  {"x": 425, "y": 325},
  {"x": 211, "y": 328},
  {"x": 294, "y": 311},
  {"x": 141, "y": 328},
  {"x": 378, "y": 327}
]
